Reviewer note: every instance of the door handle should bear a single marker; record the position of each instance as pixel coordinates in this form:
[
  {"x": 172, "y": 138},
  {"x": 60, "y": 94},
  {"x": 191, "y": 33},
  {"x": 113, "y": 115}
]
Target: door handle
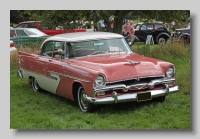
[{"x": 50, "y": 60}]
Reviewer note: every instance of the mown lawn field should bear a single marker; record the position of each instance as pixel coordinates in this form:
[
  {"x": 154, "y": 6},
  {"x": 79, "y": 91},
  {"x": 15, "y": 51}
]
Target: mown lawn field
[{"x": 43, "y": 110}]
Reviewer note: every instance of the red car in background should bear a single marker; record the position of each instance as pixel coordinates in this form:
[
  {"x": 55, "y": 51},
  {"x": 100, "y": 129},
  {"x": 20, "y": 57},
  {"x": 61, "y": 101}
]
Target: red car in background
[{"x": 45, "y": 29}]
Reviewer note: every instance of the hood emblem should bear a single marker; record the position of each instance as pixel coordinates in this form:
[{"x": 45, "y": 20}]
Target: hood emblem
[
  {"x": 138, "y": 78},
  {"x": 130, "y": 62}
]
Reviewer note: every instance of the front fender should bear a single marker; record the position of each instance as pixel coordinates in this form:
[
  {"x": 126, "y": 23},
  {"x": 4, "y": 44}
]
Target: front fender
[{"x": 184, "y": 34}]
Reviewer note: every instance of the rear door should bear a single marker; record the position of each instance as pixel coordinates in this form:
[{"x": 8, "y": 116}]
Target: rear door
[
  {"x": 51, "y": 66},
  {"x": 145, "y": 29}
]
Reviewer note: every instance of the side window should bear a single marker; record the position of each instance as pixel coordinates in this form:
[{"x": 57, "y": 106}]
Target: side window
[
  {"x": 70, "y": 51},
  {"x": 150, "y": 27},
  {"x": 21, "y": 33},
  {"x": 32, "y": 25},
  {"x": 42, "y": 27},
  {"x": 47, "y": 49},
  {"x": 158, "y": 27},
  {"x": 143, "y": 27},
  {"x": 137, "y": 26},
  {"x": 53, "y": 48}
]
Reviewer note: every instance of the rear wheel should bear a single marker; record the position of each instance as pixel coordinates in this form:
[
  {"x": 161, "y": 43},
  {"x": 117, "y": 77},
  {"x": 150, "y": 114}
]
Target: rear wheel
[
  {"x": 35, "y": 85},
  {"x": 161, "y": 40},
  {"x": 84, "y": 105}
]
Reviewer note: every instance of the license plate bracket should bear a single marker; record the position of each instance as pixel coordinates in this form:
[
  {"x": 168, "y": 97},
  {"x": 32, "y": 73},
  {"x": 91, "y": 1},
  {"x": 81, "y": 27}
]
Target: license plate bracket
[{"x": 144, "y": 96}]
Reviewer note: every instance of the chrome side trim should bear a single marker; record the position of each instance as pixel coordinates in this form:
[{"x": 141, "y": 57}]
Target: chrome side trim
[
  {"x": 47, "y": 83},
  {"x": 68, "y": 76}
]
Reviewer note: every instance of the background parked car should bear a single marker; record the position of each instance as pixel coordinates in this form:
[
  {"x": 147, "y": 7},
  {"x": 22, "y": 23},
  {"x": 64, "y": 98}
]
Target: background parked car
[
  {"x": 47, "y": 30},
  {"x": 158, "y": 30},
  {"x": 138, "y": 25},
  {"x": 12, "y": 47},
  {"x": 25, "y": 36},
  {"x": 182, "y": 35}
]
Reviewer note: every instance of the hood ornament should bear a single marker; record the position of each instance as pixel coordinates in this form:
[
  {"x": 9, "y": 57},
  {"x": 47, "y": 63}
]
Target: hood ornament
[
  {"x": 130, "y": 62},
  {"x": 138, "y": 78}
]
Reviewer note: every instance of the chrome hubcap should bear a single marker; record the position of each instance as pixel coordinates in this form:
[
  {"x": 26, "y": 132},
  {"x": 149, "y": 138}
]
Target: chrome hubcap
[{"x": 82, "y": 99}]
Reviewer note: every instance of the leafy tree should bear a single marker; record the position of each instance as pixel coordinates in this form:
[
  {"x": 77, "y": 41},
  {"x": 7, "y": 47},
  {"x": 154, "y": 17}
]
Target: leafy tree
[
  {"x": 55, "y": 18},
  {"x": 165, "y": 16},
  {"x": 15, "y": 17}
]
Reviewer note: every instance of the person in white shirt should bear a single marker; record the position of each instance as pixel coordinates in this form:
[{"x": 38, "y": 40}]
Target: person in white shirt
[{"x": 101, "y": 25}]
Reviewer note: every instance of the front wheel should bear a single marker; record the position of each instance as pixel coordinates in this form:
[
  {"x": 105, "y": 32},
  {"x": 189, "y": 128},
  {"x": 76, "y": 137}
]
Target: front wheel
[
  {"x": 35, "y": 85},
  {"x": 84, "y": 105},
  {"x": 185, "y": 41}
]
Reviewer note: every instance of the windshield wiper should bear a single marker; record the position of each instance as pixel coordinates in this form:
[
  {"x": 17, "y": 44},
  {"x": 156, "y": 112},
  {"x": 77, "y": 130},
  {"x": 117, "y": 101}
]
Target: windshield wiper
[
  {"x": 96, "y": 52},
  {"x": 114, "y": 51}
]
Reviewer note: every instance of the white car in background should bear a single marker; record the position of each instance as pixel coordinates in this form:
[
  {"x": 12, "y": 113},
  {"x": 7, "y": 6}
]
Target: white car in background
[{"x": 12, "y": 47}]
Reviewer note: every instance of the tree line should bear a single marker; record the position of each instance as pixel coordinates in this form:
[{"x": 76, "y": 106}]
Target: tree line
[{"x": 55, "y": 18}]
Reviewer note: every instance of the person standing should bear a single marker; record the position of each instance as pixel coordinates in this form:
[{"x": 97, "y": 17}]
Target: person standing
[
  {"x": 128, "y": 30},
  {"x": 101, "y": 25},
  {"x": 173, "y": 25},
  {"x": 111, "y": 19},
  {"x": 132, "y": 32}
]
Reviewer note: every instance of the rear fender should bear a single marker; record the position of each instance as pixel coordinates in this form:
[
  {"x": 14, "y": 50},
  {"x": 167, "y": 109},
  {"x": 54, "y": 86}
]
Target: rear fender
[{"x": 163, "y": 34}]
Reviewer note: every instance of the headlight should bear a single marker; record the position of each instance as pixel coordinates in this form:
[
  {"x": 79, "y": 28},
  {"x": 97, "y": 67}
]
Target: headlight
[
  {"x": 170, "y": 72},
  {"x": 99, "y": 82}
]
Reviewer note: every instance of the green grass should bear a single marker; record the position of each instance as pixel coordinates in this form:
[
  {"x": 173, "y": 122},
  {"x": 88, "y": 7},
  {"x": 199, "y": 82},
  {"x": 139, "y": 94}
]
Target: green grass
[{"x": 43, "y": 110}]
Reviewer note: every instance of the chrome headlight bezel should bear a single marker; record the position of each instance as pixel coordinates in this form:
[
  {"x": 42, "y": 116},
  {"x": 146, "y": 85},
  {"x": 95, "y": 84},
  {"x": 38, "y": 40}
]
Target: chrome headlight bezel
[
  {"x": 170, "y": 72},
  {"x": 100, "y": 81}
]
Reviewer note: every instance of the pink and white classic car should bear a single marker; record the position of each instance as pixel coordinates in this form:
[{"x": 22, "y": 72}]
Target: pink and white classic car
[{"x": 94, "y": 68}]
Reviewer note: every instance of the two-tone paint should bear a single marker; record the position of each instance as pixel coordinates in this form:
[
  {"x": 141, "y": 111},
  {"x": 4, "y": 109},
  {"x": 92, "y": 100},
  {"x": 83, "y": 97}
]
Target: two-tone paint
[{"x": 126, "y": 73}]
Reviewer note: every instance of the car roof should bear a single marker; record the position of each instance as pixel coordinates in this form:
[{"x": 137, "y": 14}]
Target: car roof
[
  {"x": 155, "y": 22},
  {"x": 28, "y": 22},
  {"x": 24, "y": 29},
  {"x": 83, "y": 36},
  {"x": 25, "y": 22}
]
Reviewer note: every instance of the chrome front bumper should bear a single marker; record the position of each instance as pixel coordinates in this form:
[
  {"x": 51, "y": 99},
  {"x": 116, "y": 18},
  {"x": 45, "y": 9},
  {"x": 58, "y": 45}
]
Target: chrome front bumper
[{"x": 128, "y": 97}]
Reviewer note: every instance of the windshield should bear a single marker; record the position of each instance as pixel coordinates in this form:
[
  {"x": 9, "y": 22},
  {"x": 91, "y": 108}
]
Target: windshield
[{"x": 95, "y": 47}]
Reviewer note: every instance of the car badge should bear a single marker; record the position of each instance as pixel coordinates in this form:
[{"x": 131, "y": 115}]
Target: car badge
[{"x": 138, "y": 78}]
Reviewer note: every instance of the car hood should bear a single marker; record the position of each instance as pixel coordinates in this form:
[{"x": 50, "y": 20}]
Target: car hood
[
  {"x": 183, "y": 30},
  {"x": 42, "y": 36},
  {"x": 120, "y": 66}
]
